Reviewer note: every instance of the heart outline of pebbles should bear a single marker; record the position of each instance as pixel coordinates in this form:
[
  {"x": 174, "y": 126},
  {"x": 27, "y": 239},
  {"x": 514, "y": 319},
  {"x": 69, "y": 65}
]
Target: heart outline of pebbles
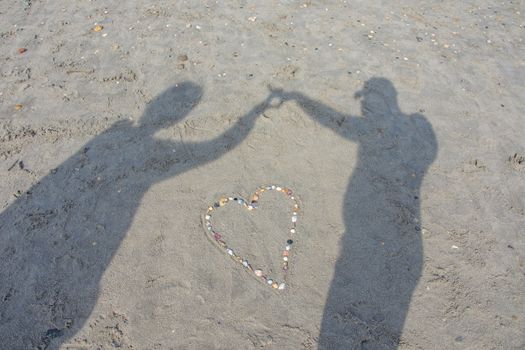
[{"x": 253, "y": 204}]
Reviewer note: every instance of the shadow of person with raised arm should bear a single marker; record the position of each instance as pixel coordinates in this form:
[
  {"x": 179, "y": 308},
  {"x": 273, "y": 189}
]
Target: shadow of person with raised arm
[
  {"x": 381, "y": 254},
  {"x": 57, "y": 239}
]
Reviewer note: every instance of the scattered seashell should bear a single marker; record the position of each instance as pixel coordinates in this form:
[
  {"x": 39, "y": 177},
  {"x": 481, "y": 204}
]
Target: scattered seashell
[
  {"x": 98, "y": 28},
  {"x": 18, "y": 106}
]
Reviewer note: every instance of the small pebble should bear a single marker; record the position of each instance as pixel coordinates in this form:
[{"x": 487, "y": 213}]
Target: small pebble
[
  {"x": 98, "y": 28},
  {"x": 269, "y": 282},
  {"x": 18, "y": 106},
  {"x": 282, "y": 286},
  {"x": 258, "y": 273},
  {"x": 229, "y": 251},
  {"x": 275, "y": 285},
  {"x": 289, "y": 241},
  {"x": 22, "y": 50}
]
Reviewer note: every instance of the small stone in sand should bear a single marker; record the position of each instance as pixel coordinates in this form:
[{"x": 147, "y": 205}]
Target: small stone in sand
[
  {"x": 18, "y": 106},
  {"x": 98, "y": 28},
  {"x": 22, "y": 50}
]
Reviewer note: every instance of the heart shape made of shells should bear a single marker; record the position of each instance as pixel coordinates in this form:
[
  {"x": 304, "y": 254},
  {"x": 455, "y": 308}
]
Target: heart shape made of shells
[{"x": 253, "y": 205}]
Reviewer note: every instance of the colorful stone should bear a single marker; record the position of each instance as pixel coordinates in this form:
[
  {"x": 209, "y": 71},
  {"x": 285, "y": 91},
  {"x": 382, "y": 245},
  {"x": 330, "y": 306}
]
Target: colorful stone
[{"x": 250, "y": 206}]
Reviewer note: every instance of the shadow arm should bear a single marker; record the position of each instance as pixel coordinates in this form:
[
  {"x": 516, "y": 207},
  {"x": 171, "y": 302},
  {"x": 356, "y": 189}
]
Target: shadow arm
[
  {"x": 322, "y": 113},
  {"x": 229, "y": 139}
]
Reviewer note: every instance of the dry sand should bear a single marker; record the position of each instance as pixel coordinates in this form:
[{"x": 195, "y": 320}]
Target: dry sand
[{"x": 400, "y": 129}]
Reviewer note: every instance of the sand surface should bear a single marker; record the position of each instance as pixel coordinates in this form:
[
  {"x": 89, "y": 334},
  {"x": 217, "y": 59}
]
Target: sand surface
[{"x": 398, "y": 125}]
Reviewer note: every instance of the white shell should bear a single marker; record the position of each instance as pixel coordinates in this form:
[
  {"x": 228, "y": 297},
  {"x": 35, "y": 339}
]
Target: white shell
[
  {"x": 208, "y": 217},
  {"x": 229, "y": 251},
  {"x": 288, "y": 247},
  {"x": 273, "y": 187},
  {"x": 292, "y": 230},
  {"x": 257, "y": 273},
  {"x": 269, "y": 282},
  {"x": 245, "y": 263},
  {"x": 294, "y": 218},
  {"x": 285, "y": 258},
  {"x": 278, "y": 188},
  {"x": 281, "y": 286}
]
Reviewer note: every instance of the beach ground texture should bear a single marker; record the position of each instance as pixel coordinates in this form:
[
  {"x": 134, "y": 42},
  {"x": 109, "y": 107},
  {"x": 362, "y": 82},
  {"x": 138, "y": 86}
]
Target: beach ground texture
[{"x": 399, "y": 125}]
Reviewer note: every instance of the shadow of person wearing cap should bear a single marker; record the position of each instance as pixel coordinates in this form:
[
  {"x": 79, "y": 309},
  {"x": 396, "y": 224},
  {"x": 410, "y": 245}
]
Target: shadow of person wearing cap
[
  {"x": 58, "y": 238},
  {"x": 381, "y": 254}
]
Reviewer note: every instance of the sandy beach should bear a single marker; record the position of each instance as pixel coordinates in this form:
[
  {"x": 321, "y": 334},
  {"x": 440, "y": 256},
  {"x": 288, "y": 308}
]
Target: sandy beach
[{"x": 397, "y": 127}]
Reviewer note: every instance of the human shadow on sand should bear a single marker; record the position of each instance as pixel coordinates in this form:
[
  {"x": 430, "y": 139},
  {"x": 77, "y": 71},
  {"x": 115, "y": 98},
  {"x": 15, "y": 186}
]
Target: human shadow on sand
[
  {"x": 57, "y": 239},
  {"x": 381, "y": 254}
]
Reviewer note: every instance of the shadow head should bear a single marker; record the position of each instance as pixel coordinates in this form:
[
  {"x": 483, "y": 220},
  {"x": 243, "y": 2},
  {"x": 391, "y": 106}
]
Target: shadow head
[
  {"x": 171, "y": 106},
  {"x": 378, "y": 97}
]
